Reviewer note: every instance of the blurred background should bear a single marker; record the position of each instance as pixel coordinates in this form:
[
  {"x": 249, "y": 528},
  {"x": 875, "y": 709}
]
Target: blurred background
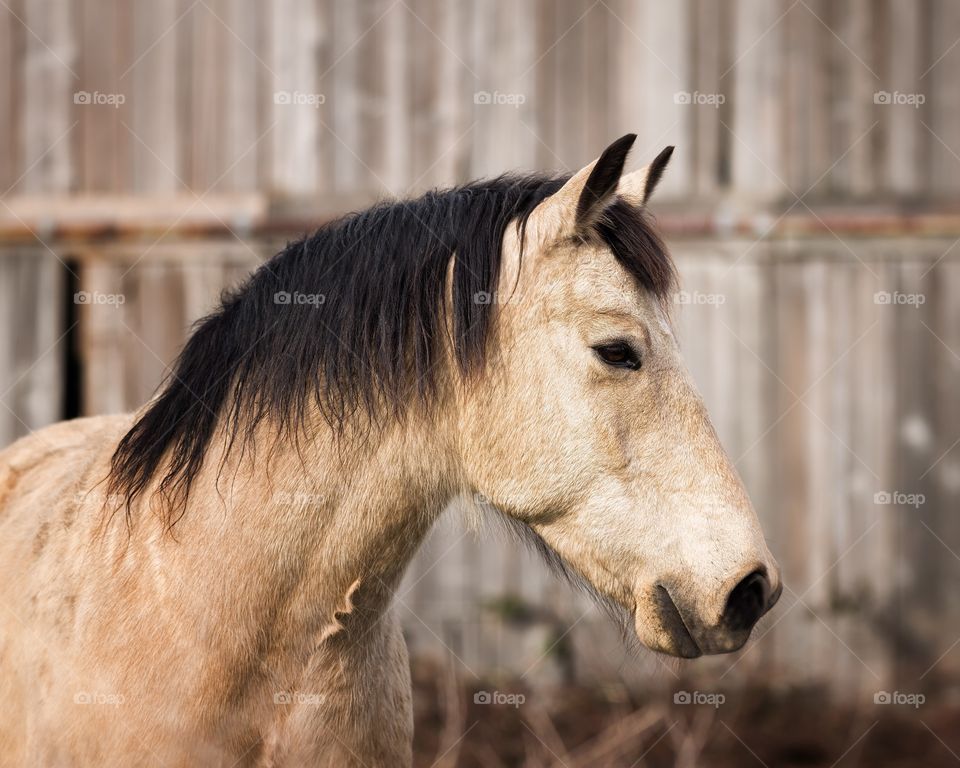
[{"x": 154, "y": 153}]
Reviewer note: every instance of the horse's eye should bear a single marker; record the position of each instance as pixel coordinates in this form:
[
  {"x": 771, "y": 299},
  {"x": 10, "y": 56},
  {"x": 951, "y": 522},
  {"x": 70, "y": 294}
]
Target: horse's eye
[{"x": 618, "y": 354}]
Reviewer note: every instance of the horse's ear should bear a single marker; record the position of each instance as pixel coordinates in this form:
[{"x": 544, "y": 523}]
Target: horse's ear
[
  {"x": 576, "y": 206},
  {"x": 639, "y": 185},
  {"x": 601, "y": 183}
]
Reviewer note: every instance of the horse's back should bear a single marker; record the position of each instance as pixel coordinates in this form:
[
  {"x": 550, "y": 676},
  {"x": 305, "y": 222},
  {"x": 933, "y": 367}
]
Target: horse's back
[
  {"x": 47, "y": 480},
  {"x": 47, "y": 476},
  {"x": 74, "y": 443}
]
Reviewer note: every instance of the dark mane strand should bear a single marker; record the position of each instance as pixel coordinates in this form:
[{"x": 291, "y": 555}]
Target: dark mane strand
[
  {"x": 629, "y": 233},
  {"x": 349, "y": 319}
]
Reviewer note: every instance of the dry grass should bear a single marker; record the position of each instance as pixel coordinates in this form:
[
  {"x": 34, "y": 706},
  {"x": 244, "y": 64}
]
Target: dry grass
[{"x": 577, "y": 727}]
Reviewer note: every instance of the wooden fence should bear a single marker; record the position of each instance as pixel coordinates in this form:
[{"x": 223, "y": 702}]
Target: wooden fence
[
  {"x": 159, "y": 151},
  {"x": 215, "y": 95}
]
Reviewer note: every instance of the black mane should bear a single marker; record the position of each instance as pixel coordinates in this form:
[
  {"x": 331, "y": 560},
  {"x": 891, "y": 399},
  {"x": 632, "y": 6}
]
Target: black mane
[{"x": 350, "y": 318}]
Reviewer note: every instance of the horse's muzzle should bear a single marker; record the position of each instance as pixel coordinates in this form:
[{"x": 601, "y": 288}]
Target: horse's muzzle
[{"x": 751, "y": 597}]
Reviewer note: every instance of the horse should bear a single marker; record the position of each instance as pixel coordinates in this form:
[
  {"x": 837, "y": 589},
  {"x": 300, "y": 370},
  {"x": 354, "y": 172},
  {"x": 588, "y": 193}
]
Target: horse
[{"x": 209, "y": 580}]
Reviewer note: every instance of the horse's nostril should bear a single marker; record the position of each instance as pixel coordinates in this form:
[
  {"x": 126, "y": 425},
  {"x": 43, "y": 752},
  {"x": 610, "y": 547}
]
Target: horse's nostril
[{"x": 747, "y": 602}]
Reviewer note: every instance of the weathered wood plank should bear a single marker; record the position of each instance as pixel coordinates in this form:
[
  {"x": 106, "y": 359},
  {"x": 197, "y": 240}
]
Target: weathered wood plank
[
  {"x": 153, "y": 80},
  {"x": 943, "y": 107},
  {"x": 295, "y": 96},
  {"x": 11, "y": 59},
  {"x": 31, "y": 359},
  {"x": 246, "y": 101},
  {"x": 757, "y": 128},
  {"x": 653, "y": 79},
  {"x": 902, "y": 130},
  {"x": 47, "y": 96}
]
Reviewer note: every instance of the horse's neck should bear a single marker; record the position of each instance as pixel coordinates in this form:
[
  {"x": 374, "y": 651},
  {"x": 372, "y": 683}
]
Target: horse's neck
[{"x": 313, "y": 541}]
